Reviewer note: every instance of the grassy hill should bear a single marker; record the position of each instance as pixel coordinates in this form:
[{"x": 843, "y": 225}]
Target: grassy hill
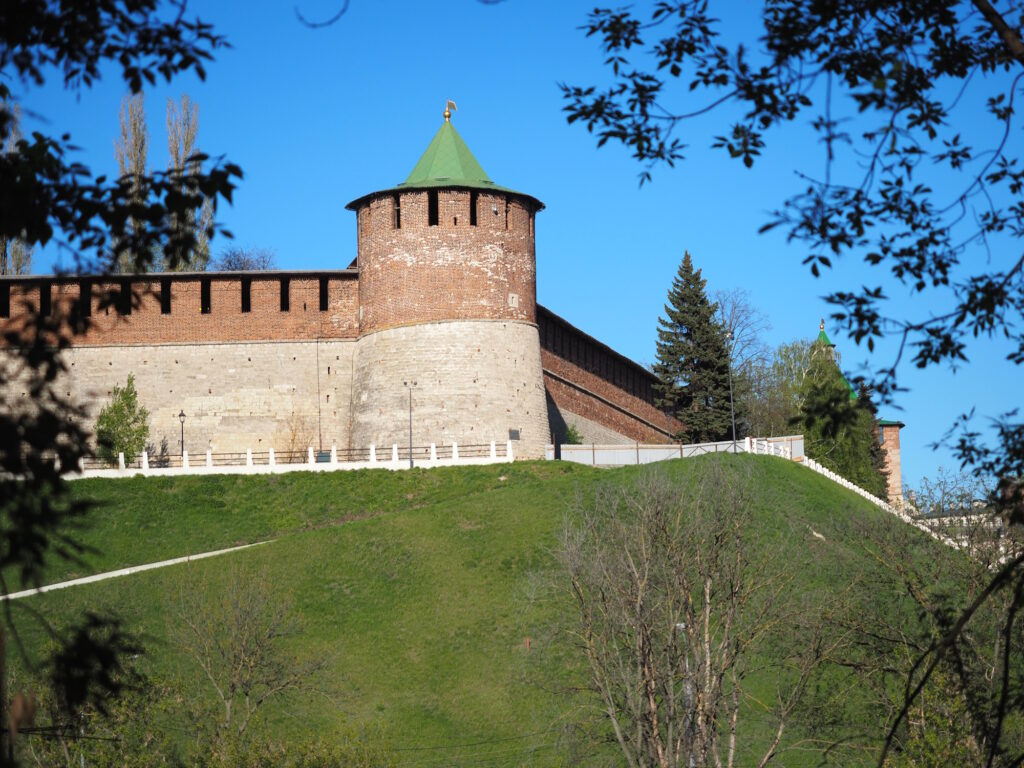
[{"x": 416, "y": 590}]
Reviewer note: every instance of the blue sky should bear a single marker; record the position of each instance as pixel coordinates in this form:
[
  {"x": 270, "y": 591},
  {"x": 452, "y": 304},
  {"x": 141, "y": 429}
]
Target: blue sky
[{"x": 317, "y": 118}]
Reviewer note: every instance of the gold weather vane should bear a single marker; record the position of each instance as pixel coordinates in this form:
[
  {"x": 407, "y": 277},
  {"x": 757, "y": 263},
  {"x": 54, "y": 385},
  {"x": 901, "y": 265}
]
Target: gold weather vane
[
  {"x": 822, "y": 326},
  {"x": 449, "y": 107}
]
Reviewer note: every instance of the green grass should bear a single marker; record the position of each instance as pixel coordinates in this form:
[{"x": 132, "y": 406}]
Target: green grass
[{"x": 417, "y": 589}]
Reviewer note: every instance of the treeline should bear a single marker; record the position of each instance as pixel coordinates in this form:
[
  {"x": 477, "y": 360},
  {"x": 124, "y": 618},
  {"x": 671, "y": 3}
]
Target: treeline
[
  {"x": 192, "y": 227},
  {"x": 719, "y": 379}
]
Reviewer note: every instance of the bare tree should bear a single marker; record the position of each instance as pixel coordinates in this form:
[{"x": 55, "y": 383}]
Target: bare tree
[
  {"x": 131, "y": 150},
  {"x": 182, "y": 131},
  {"x": 738, "y": 315},
  {"x": 234, "y": 632},
  {"x": 673, "y": 607},
  {"x": 237, "y": 259},
  {"x": 962, "y": 686},
  {"x": 15, "y": 253}
]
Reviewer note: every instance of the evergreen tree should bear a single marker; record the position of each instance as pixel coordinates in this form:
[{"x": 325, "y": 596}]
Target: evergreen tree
[
  {"x": 692, "y": 360},
  {"x": 15, "y": 253},
  {"x": 876, "y": 452},
  {"x": 131, "y": 151},
  {"x": 839, "y": 428}
]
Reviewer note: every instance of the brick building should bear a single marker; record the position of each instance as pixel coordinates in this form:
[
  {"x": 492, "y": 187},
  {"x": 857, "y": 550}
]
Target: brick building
[{"x": 440, "y": 300}]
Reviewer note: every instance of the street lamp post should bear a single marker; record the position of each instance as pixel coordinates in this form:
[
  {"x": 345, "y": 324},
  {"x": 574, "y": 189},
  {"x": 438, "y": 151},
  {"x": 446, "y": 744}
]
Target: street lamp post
[
  {"x": 410, "y": 385},
  {"x": 732, "y": 408},
  {"x": 181, "y": 418}
]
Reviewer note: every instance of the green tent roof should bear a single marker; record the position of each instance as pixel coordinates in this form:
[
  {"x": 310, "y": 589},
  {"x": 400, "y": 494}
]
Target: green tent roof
[
  {"x": 447, "y": 162},
  {"x": 823, "y": 337},
  {"x": 827, "y": 342}
]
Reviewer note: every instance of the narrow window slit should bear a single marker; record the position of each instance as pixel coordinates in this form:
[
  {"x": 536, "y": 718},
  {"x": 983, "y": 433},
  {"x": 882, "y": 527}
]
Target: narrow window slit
[
  {"x": 124, "y": 303},
  {"x": 85, "y": 298},
  {"x": 432, "y": 215},
  {"x": 45, "y": 299},
  {"x": 165, "y": 296}
]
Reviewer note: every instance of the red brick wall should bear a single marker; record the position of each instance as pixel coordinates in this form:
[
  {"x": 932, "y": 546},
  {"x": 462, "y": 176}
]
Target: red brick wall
[
  {"x": 185, "y": 324},
  {"x": 452, "y": 271},
  {"x": 585, "y": 377},
  {"x": 891, "y": 445}
]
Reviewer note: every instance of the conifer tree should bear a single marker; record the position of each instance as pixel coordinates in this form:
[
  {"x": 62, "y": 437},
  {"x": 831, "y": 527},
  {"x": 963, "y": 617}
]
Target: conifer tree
[
  {"x": 692, "y": 360},
  {"x": 839, "y": 428}
]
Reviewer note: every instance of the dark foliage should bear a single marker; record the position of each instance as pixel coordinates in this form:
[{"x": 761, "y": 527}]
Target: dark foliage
[
  {"x": 45, "y": 195},
  {"x": 926, "y": 189},
  {"x": 692, "y": 361},
  {"x": 840, "y": 430}
]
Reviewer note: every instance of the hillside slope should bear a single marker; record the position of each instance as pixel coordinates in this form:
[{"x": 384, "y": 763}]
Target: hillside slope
[{"x": 419, "y": 590}]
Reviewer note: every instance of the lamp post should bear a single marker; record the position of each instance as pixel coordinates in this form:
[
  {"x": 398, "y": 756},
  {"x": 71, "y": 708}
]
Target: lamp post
[
  {"x": 181, "y": 418},
  {"x": 410, "y": 385},
  {"x": 732, "y": 409}
]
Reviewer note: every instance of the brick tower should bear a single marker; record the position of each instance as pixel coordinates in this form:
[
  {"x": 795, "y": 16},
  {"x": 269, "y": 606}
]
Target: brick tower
[{"x": 447, "y": 299}]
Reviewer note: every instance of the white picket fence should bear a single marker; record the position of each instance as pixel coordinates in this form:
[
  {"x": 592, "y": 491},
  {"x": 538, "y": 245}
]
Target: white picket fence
[
  {"x": 788, "y": 447},
  {"x": 267, "y": 463}
]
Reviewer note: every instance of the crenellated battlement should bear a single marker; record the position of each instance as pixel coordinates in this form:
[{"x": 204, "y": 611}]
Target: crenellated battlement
[
  {"x": 185, "y": 308},
  {"x": 463, "y": 267},
  {"x": 437, "y": 324}
]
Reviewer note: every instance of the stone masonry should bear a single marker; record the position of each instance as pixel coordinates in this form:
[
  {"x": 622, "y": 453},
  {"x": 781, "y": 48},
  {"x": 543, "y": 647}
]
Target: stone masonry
[{"x": 442, "y": 293}]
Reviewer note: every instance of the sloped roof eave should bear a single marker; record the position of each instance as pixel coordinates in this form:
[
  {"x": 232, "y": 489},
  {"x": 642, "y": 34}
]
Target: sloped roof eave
[{"x": 439, "y": 184}]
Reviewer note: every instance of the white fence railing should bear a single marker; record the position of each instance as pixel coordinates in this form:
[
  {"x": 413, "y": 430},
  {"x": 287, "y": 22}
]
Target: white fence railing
[
  {"x": 789, "y": 447},
  {"x": 270, "y": 463},
  {"x": 899, "y": 512}
]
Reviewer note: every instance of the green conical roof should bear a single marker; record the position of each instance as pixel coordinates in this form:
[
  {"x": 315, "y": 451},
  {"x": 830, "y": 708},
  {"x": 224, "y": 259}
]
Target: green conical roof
[
  {"x": 827, "y": 342},
  {"x": 823, "y": 337},
  {"x": 447, "y": 162}
]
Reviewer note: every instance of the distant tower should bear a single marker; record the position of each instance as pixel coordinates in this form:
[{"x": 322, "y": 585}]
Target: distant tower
[{"x": 447, "y": 298}]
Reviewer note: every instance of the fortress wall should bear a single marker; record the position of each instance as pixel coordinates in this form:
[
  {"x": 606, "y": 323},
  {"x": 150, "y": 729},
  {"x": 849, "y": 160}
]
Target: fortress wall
[
  {"x": 235, "y": 396},
  {"x": 416, "y": 272},
  {"x": 476, "y": 380},
  {"x": 579, "y": 408},
  {"x": 589, "y": 383},
  {"x": 590, "y": 432},
  {"x": 145, "y": 323}
]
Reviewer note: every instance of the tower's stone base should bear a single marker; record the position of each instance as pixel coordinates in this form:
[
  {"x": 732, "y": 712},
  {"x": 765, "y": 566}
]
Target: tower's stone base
[{"x": 475, "y": 381}]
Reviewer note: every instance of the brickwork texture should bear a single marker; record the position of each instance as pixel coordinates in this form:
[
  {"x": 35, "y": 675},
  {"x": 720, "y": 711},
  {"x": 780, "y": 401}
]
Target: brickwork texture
[{"x": 295, "y": 359}]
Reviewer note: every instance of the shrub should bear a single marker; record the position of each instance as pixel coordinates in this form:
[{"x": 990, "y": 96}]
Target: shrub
[
  {"x": 122, "y": 426},
  {"x": 572, "y": 436}
]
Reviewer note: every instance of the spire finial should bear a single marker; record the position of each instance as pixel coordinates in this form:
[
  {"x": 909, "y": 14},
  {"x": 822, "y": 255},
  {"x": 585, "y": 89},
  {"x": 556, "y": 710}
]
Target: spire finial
[
  {"x": 449, "y": 107},
  {"x": 822, "y": 326}
]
